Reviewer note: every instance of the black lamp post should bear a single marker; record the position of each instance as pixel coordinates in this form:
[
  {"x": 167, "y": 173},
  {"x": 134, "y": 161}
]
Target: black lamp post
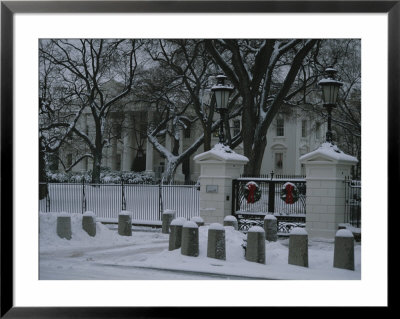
[
  {"x": 221, "y": 92},
  {"x": 330, "y": 90}
]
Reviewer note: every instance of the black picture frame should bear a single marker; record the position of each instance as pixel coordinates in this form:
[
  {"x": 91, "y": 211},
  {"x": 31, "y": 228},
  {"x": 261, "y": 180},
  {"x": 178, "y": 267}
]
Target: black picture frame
[{"x": 9, "y": 8}]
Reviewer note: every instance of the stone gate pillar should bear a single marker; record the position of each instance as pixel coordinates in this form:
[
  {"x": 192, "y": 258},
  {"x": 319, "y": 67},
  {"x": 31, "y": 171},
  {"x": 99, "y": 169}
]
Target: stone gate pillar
[
  {"x": 218, "y": 167},
  {"x": 326, "y": 169}
]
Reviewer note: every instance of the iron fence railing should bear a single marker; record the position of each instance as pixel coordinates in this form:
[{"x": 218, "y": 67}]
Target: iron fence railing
[
  {"x": 272, "y": 198},
  {"x": 146, "y": 201},
  {"x": 353, "y": 202}
]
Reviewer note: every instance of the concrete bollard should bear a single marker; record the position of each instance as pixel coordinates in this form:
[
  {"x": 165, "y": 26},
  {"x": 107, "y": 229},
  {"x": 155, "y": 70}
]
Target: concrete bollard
[
  {"x": 125, "y": 223},
  {"x": 198, "y": 220},
  {"x": 190, "y": 239},
  {"x": 271, "y": 228},
  {"x": 89, "y": 223},
  {"x": 175, "y": 235},
  {"x": 344, "y": 250},
  {"x": 298, "y": 247},
  {"x": 255, "y": 250},
  {"x": 167, "y": 217},
  {"x": 216, "y": 242},
  {"x": 231, "y": 221},
  {"x": 64, "y": 226}
]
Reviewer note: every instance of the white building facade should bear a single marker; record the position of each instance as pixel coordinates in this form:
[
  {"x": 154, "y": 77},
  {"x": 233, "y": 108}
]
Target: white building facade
[{"x": 290, "y": 136}]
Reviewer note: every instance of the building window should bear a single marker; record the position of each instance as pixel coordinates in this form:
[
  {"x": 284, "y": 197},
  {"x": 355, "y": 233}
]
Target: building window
[
  {"x": 317, "y": 130},
  {"x": 236, "y": 127},
  {"x": 69, "y": 160},
  {"x": 303, "y": 128},
  {"x": 118, "y": 131},
  {"x": 143, "y": 130},
  {"x": 186, "y": 132},
  {"x": 280, "y": 127},
  {"x": 279, "y": 161},
  {"x": 118, "y": 162}
]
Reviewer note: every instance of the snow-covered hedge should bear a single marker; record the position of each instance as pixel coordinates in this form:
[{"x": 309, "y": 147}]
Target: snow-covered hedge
[{"x": 106, "y": 176}]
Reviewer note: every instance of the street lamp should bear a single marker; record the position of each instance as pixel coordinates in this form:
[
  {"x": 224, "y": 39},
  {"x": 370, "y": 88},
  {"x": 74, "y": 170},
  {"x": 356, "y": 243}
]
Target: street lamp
[
  {"x": 221, "y": 92},
  {"x": 330, "y": 90}
]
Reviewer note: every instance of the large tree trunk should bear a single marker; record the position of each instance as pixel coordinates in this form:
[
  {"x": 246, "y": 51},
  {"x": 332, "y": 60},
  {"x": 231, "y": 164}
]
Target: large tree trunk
[
  {"x": 207, "y": 140},
  {"x": 96, "y": 168},
  {"x": 169, "y": 172},
  {"x": 253, "y": 167},
  {"x": 97, "y": 155},
  {"x": 43, "y": 191}
]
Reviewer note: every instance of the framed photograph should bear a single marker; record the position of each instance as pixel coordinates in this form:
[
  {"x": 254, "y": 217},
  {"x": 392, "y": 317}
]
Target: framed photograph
[{"x": 45, "y": 43}]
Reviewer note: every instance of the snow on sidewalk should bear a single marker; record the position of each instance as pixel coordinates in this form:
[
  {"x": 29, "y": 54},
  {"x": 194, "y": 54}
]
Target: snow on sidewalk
[{"x": 104, "y": 256}]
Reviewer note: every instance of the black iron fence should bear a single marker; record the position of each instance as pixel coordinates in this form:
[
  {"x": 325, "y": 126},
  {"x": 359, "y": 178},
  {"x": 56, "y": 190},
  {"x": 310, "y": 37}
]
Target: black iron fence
[
  {"x": 145, "y": 201},
  {"x": 353, "y": 202},
  {"x": 284, "y": 196}
]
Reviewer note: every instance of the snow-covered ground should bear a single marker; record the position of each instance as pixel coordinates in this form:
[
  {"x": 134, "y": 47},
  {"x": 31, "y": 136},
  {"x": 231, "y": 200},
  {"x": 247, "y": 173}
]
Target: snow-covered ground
[{"x": 145, "y": 255}]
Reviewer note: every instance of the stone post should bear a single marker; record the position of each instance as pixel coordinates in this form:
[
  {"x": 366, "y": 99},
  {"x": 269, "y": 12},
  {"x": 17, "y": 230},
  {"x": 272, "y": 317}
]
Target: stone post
[
  {"x": 175, "y": 236},
  {"x": 216, "y": 241},
  {"x": 190, "y": 239},
  {"x": 89, "y": 223},
  {"x": 255, "y": 250},
  {"x": 326, "y": 169},
  {"x": 167, "y": 217},
  {"x": 198, "y": 220},
  {"x": 271, "y": 228},
  {"x": 125, "y": 223},
  {"x": 218, "y": 167},
  {"x": 298, "y": 247},
  {"x": 64, "y": 226},
  {"x": 231, "y": 221},
  {"x": 344, "y": 250}
]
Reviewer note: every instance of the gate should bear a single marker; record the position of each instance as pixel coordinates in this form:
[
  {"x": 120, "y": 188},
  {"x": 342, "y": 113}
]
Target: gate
[
  {"x": 272, "y": 200},
  {"x": 353, "y": 202}
]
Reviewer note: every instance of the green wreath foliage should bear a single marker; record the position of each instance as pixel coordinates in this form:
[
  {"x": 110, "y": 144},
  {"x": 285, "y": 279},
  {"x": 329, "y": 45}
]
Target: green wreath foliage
[
  {"x": 294, "y": 196},
  {"x": 257, "y": 192}
]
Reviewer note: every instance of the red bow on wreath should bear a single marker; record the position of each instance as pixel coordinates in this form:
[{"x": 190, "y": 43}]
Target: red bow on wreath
[
  {"x": 252, "y": 190},
  {"x": 289, "y": 194}
]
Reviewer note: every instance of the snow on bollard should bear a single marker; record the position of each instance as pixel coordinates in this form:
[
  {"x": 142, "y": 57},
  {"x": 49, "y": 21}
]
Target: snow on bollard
[
  {"x": 231, "y": 221},
  {"x": 167, "y": 217},
  {"x": 216, "y": 241},
  {"x": 64, "y": 226},
  {"x": 89, "y": 223},
  {"x": 255, "y": 250},
  {"x": 298, "y": 247},
  {"x": 190, "y": 239},
  {"x": 344, "y": 250},
  {"x": 125, "y": 223},
  {"x": 198, "y": 220},
  {"x": 175, "y": 235},
  {"x": 271, "y": 228}
]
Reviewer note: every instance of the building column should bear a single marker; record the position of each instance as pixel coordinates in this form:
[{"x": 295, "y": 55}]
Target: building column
[
  {"x": 149, "y": 148},
  {"x": 127, "y": 150}
]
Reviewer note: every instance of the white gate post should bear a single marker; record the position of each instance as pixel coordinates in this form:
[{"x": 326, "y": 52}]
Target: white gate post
[
  {"x": 326, "y": 169},
  {"x": 219, "y": 167}
]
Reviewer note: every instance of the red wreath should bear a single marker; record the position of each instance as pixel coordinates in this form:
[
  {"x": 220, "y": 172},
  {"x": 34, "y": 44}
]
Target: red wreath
[
  {"x": 252, "y": 192},
  {"x": 290, "y": 194}
]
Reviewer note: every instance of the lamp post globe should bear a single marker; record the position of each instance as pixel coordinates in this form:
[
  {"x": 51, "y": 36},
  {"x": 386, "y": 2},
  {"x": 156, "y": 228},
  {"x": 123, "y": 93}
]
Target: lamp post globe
[
  {"x": 221, "y": 92},
  {"x": 330, "y": 90}
]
